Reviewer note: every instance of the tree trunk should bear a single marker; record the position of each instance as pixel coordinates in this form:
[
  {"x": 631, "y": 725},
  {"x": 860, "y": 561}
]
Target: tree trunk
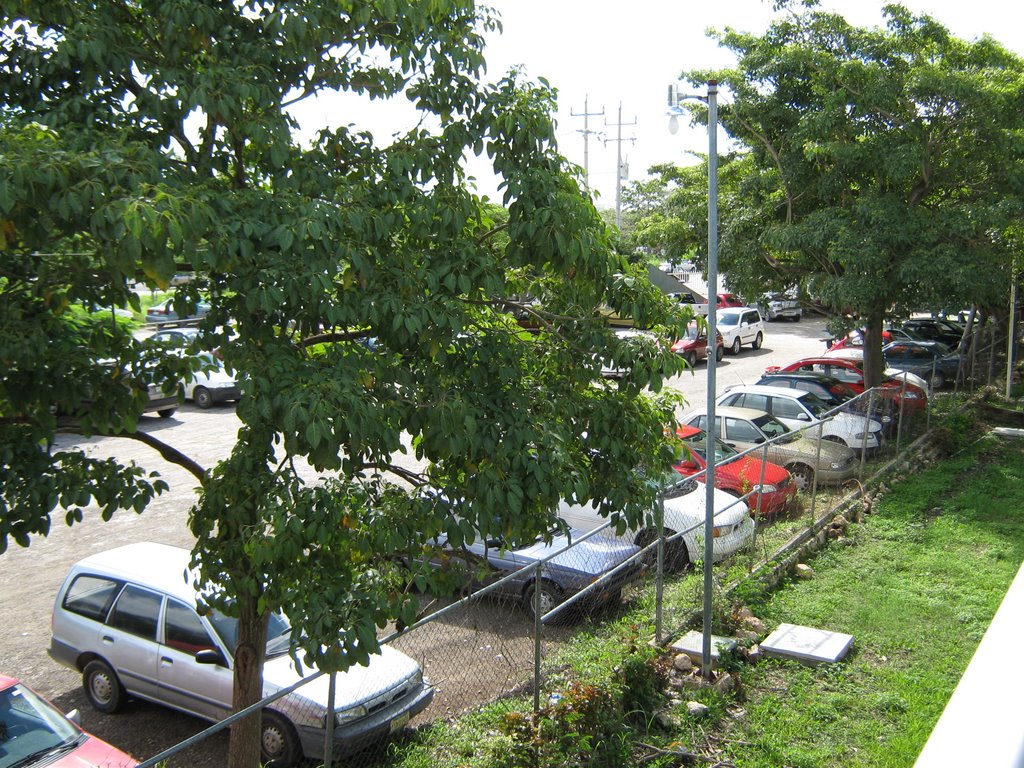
[
  {"x": 244, "y": 746},
  {"x": 874, "y": 363}
]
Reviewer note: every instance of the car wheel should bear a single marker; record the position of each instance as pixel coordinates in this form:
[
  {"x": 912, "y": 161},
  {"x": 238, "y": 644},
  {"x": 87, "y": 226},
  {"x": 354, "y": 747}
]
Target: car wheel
[
  {"x": 677, "y": 558},
  {"x": 691, "y": 359},
  {"x": 202, "y": 397},
  {"x": 550, "y": 597},
  {"x": 803, "y": 476},
  {"x": 938, "y": 380},
  {"x": 758, "y": 341},
  {"x": 102, "y": 688},
  {"x": 797, "y": 316},
  {"x": 735, "y": 349},
  {"x": 279, "y": 744},
  {"x": 719, "y": 353},
  {"x": 166, "y": 413},
  {"x": 836, "y": 439}
]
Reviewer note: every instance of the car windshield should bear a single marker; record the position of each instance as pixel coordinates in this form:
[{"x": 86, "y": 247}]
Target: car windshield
[
  {"x": 814, "y": 404},
  {"x": 698, "y": 444},
  {"x": 772, "y": 427},
  {"x": 728, "y": 320},
  {"x": 278, "y": 632},
  {"x": 691, "y": 333},
  {"x": 31, "y": 727}
]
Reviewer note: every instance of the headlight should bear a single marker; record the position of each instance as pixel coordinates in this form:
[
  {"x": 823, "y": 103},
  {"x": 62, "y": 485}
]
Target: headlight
[
  {"x": 836, "y": 465},
  {"x": 860, "y": 436},
  {"x": 344, "y": 716},
  {"x": 765, "y": 488}
]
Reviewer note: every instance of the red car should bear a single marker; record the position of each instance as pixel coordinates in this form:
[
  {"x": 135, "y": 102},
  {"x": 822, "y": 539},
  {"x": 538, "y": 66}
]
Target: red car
[
  {"x": 851, "y": 372},
  {"x": 694, "y": 345},
  {"x": 35, "y": 733},
  {"x": 724, "y": 300},
  {"x": 738, "y": 476}
]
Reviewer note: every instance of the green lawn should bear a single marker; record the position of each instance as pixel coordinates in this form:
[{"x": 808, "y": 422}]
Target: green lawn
[{"x": 916, "y": 586}]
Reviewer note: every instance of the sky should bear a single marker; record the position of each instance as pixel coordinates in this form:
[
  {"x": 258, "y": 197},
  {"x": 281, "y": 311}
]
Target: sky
[{"x": 603, "y": 56}]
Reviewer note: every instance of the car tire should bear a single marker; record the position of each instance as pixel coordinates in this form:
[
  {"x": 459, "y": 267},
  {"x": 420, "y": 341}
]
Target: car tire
[
  {"x": 677, "y": 557},
  {"x": 279, "y": 743},
  {"x": 166, "y": 413},
  {"x": 938, "y": 380},
  {"x": 202, "y": 397},
  {"x": 550, "y": 597},
  {"x": 719, "y": 353},
  {"x": 691, "y": 359},
  {"x": 758, "y": 341},
  {"x": 803, "y": 477},
  {"x": 102, "y": 688},
  {"x": 797, "y": 317},
  {"x": 736, "y": 345}
]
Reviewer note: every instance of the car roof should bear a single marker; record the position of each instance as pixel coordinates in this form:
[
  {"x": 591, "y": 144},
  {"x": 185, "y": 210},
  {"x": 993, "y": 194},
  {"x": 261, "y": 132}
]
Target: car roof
[
  {"x": 7, "y": 682},
  {"x": 766, "y": 389},
  {"x": 685, "y": 430},
  {"x": 740, "y": 412},
  {"x": 818, "y": 376},
  {"x": 160, "y": 567}
]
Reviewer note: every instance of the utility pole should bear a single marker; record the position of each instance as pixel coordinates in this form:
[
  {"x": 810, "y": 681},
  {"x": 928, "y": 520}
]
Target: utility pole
[
  {"x": 618, "y": 164},
  {"x": 586, "y": 115}
]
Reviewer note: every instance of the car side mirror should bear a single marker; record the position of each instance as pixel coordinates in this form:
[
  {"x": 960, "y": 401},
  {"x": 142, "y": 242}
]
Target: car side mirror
[
  {"x": 211, "y": 656},
  {"x": 757, "y": 441},
  {"x": 803, "y": 417},
  {"x": 75, "y": 717}
]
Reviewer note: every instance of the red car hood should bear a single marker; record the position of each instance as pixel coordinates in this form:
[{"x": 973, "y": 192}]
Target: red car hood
[
  {"x": 745, "y": 472},
  {"x": 748, "y": 470},
  {"x": 95, "y": 753}
]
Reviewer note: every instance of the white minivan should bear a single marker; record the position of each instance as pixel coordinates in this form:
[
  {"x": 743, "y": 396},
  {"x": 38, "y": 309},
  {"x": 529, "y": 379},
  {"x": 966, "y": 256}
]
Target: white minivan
[{"x": 126, "y": 619}]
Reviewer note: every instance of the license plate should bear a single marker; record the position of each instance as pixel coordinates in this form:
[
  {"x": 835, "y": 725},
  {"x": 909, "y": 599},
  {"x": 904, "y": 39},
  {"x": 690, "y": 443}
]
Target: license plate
[{"x": 399, "y": 722}]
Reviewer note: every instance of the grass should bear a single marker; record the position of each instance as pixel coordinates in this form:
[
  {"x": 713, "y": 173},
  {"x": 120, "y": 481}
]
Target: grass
[{"x": 916, "y": 585}]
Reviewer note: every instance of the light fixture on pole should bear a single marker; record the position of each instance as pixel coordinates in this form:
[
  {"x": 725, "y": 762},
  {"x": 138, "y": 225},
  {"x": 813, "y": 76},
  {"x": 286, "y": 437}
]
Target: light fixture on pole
[{"x": 674, "y": 98}]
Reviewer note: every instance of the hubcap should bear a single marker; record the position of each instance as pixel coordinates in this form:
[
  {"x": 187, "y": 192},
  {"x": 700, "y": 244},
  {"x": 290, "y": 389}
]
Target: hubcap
[
  {"x": 273, "y": 743},
  {"x": 101, "y": 688}
]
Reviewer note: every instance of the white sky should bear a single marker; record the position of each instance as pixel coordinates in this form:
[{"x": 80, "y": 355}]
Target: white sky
[{"x": 600, "y": 54}]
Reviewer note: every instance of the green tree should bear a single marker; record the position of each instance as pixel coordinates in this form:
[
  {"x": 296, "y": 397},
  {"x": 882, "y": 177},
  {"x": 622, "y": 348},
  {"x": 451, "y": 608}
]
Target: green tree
[
  {"x": 881, "y": 172},
  {"x": 377, "y": 306}
]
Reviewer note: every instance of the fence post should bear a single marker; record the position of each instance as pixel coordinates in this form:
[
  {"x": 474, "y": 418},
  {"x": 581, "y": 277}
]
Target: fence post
[
  {"x": 329, "y": 721},
  {"x": 867, "y": 424},
  {"x": 537, "y": 624},
  {"x": 659, "y": 580},
  {"x": 814, "y": 480},
  {"x": 903, "y": 400}
]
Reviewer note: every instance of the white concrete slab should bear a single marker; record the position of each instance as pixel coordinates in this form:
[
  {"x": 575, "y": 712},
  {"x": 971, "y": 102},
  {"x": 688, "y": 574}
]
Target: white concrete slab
[
  {"x": 806, "y": 644},
  {"x": 692, "y": 644}
]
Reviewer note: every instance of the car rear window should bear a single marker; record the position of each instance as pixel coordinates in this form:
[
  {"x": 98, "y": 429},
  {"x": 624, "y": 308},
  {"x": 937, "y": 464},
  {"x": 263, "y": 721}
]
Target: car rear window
[{"x": 91, "y": 596}]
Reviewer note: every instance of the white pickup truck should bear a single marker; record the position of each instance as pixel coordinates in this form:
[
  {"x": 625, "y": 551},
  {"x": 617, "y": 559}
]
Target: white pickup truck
[{"x": 698, "y": 303}]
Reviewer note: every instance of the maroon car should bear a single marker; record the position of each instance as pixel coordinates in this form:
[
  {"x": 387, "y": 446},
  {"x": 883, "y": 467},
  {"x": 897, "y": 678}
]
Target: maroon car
[{"x": 694, "y": 345}]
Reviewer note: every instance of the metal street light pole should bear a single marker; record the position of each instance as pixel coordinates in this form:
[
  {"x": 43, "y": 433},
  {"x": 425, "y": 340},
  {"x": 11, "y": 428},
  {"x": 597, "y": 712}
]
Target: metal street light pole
[{"x": 709, "y": 486}]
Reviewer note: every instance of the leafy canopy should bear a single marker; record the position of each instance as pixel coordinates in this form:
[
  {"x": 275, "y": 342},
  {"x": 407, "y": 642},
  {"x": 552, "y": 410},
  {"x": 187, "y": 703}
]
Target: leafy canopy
[{"x": 373, "y": 304}]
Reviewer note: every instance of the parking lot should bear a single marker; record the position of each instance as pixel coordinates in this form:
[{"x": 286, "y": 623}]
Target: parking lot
[{"x": 30, "y": 577}]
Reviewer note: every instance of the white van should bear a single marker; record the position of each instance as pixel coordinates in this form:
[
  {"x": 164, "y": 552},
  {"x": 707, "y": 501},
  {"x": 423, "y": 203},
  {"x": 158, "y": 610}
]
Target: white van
[{"x": 126, "y": 619}]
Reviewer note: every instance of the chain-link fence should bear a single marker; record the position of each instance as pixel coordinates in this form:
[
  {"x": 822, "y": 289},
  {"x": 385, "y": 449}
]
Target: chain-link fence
[{"x": 500, "y": 640}]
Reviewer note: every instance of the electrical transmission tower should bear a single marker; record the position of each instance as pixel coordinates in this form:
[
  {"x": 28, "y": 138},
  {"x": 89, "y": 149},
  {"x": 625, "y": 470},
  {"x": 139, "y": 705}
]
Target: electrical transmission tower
[{"x": 586, "y": 115}]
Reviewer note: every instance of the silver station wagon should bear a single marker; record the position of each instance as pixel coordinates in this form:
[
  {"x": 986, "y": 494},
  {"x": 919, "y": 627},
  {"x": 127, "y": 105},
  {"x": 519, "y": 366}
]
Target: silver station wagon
[{"x": 126, "y": 619}]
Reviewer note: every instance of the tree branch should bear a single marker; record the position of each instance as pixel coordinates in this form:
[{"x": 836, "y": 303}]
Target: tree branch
[{"x": 171, "y": 454}]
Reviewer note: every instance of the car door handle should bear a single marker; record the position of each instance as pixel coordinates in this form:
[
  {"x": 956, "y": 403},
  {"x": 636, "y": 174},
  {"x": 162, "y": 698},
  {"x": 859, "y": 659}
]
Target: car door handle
[
  {"x": 107, "y": 639},
  {"x": 167, "y": 661}
]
